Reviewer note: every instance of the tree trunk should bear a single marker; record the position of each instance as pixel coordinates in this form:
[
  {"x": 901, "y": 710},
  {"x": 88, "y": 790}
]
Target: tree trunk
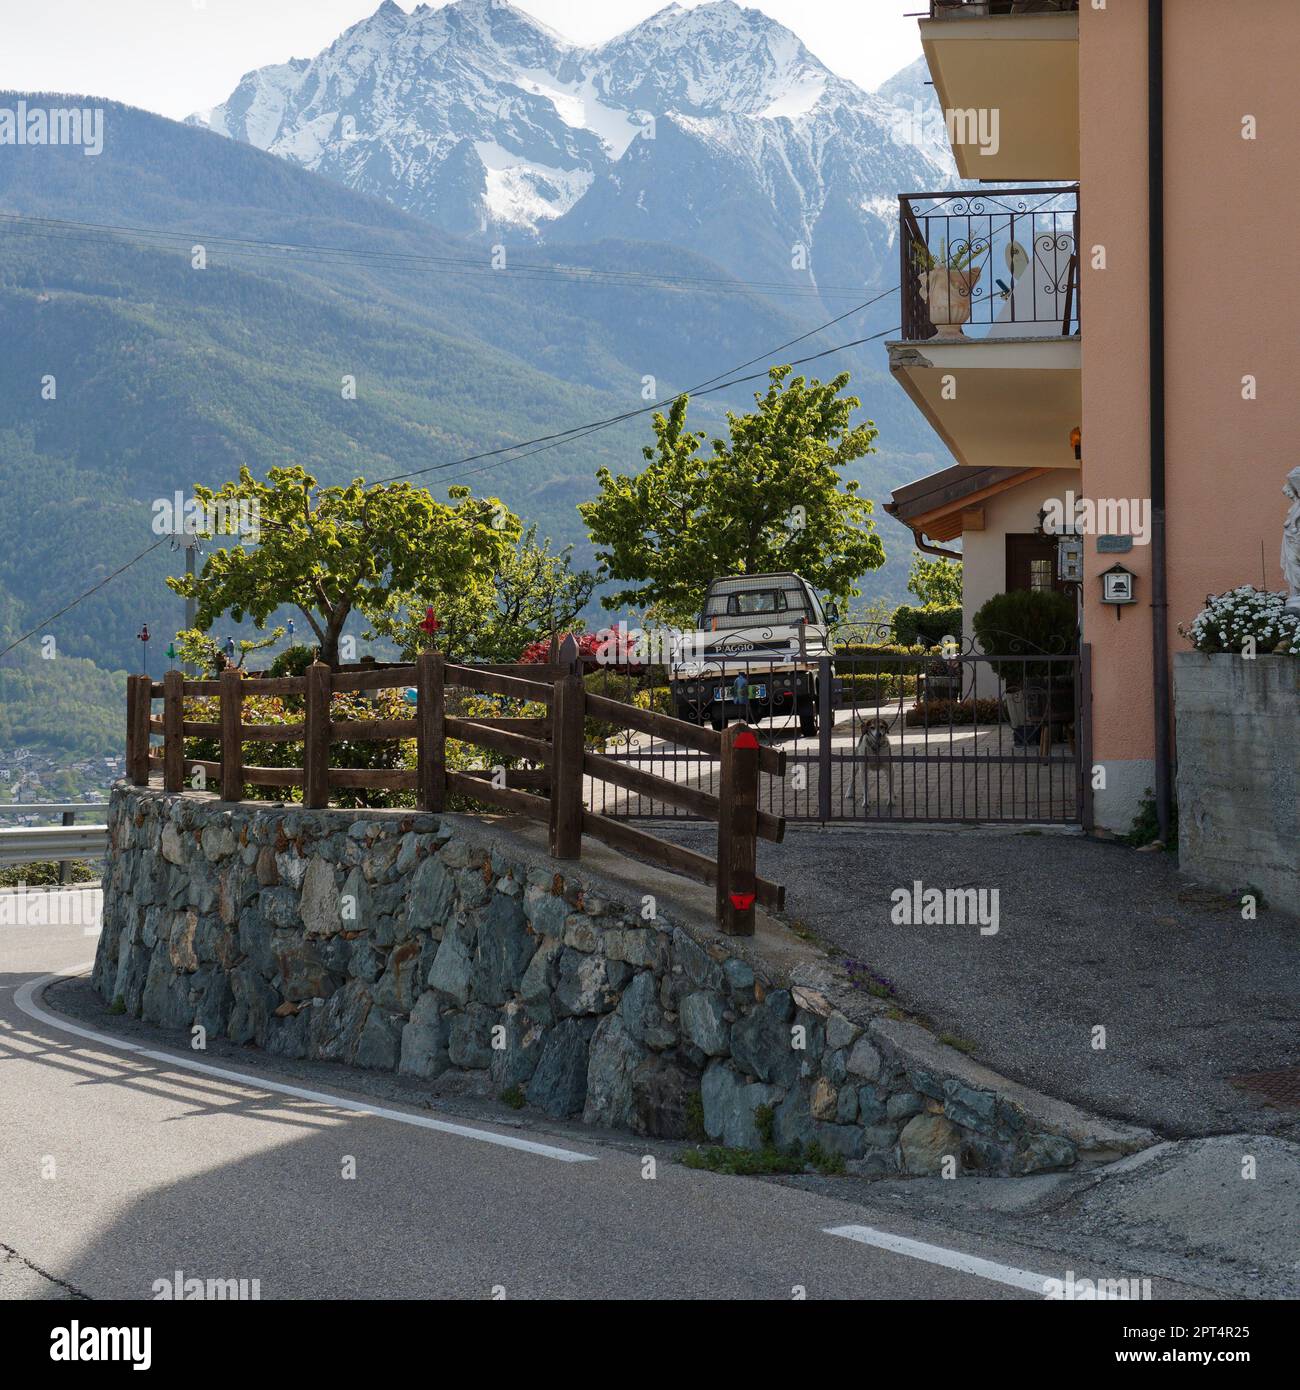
[{"x": 329, "y": 647}]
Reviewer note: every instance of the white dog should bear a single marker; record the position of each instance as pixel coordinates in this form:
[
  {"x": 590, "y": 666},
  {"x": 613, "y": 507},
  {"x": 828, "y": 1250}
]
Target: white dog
[{"x": 873, "y": 749}]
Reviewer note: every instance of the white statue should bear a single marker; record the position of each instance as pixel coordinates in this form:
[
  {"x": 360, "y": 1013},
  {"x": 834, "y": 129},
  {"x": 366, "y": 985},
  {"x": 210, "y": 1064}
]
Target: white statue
[{"x": 1291, "y": 542}]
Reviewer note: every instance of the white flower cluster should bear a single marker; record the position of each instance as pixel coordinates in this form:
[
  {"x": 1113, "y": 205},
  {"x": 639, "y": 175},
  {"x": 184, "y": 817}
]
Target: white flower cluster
[{"x": 1230, "y": 619}]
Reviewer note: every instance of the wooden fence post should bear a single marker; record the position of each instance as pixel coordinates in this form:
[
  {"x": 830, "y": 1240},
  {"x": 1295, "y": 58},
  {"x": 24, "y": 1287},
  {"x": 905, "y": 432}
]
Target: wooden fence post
[
  {"x": 232, "y": 735},
  {"x": 568, "y": 711},
  {"x": 738, "y": 831},
  {"x": 138, "y": 706},
  {"x": 316, "y": 742},
  {"x": 173, "y": 732},
  {"x": 431, "y": 730}
]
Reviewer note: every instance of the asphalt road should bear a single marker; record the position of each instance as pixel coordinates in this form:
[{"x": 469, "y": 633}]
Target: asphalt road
[
  {"x": 118, "y": 1169},
  {"x": 1089, "y": 935}
]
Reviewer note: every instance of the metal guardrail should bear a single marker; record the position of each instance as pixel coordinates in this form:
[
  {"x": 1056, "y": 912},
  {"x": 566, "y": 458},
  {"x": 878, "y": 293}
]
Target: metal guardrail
[{"x": 29, "y": 844}]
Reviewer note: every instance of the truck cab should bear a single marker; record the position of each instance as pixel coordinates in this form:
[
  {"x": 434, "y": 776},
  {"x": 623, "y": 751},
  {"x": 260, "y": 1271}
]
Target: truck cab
[{"x": 755, "y": 654}]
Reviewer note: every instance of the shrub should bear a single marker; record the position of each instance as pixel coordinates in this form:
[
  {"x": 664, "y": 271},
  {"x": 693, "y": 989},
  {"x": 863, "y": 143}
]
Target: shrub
[
  {"x": 1022, "y": 623},
  {"x": 275, "y": 709},
  {"x": 928, "y": 712},
  {"x": 914, "y": 654},
  {"x": 1145, "y": 829},
  {"x": 293, "y": 661},
  {"x": 870, "y": 687},
  {"x": 658, "y": 698},
  {"x": 1230, "y": 620},
  {"x": 42, "y": 873},
  {"x": 615, "y": 684},
  {"x": 929, "y": 625}
]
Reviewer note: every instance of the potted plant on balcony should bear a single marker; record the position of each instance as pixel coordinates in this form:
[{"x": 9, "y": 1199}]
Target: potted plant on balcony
[
  {"x": 1013, "y": 629},
  {"x": 948, "y": 280}
]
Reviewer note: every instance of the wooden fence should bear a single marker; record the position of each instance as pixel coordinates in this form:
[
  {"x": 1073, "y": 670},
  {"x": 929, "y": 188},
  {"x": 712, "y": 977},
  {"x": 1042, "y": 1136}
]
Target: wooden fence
[{"x": 555, "y": 742}]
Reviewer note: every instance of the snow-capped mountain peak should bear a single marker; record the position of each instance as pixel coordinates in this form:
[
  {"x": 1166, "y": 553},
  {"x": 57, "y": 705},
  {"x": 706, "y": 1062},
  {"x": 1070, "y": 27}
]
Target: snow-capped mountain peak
[{"x": 714, "y": 58}]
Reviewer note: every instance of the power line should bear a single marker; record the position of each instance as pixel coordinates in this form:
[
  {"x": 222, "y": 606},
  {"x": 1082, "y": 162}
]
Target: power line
[
  {"x": 576, "y": 432},
  {"x": 705, "y": 391},
  {"x": 46, "y": 622},
  {"x": 705, "y": 387}
]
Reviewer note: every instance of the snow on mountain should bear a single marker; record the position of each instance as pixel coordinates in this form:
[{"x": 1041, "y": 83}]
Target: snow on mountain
[{"x": 713, "y": 128}]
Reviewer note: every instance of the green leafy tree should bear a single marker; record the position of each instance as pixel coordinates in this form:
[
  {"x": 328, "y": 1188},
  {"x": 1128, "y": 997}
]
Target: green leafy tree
[
  {"x": 533, "y": 590},
  {"x": 771, "y": 497},
  {"x": 333, "y": 551},
  {"x": 936, "y": 582}
]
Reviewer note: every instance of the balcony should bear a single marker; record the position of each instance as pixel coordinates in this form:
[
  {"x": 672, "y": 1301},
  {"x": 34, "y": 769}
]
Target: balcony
[
  {"x": 1016, "y": 63},
  {"x": 981, "y": 9},
  {"x": 1001, "y": 264},
  {"x": 990, "y": 347}
]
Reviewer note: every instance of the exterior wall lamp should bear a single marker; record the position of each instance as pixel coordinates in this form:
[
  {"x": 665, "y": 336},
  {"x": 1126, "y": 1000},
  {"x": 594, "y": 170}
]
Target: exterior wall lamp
[{"x": 1076, "y": 442}]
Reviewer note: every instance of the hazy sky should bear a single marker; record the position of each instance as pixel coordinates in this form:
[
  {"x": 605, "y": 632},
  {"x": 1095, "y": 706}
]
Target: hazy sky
[{"x": 177, "y": 56}]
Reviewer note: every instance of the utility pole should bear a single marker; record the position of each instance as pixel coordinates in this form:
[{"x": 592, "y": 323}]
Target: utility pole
[{"x": 189, "y": 543}]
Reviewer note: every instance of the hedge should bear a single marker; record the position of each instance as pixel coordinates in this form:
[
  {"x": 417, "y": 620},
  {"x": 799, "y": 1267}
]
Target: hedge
[
  {"x": 929, "y": 625},
  {"x": 954, "y": 712}
]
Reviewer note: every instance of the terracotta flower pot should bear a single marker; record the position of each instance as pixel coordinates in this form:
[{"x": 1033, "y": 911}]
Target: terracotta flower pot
[{"x": 947, "y": 294}]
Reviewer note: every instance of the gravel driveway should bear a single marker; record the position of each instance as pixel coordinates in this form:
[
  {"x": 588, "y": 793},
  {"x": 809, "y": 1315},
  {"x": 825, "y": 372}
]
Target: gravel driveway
[{"x": 1090, "y": 935}]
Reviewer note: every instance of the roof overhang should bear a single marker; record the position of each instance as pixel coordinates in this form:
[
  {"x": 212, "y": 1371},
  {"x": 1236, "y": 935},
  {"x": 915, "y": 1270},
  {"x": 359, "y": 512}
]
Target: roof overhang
[
  {"x": 997, "y": 404},
  {"x": 1024, "y": 68},
  {"x": 940, "y": 505}
]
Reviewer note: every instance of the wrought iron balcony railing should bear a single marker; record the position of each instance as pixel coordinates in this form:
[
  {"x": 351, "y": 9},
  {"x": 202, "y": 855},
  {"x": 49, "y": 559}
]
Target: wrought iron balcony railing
[
  {"x": 960, "y": 9},
  {"x": 997, "y": 264}
]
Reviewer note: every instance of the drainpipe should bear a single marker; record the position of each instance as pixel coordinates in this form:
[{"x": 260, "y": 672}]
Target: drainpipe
[{"x": 1156, "y": 312}]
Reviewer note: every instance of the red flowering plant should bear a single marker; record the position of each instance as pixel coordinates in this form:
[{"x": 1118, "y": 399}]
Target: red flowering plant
[{"x": 609, "y": 649}]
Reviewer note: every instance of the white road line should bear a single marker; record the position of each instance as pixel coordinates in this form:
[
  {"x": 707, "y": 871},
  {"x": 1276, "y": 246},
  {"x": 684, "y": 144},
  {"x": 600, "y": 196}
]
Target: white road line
[
  {"x": 949, "y": 1259},
  {"x": 24, "y": 998}
]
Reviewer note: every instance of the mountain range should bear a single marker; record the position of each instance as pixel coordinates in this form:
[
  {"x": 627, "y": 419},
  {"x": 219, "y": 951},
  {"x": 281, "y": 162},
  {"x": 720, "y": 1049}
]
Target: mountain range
[{"x": 712, "y": 128}]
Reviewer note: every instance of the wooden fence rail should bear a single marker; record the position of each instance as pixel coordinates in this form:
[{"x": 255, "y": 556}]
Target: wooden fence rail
[{"x": 551, "y": 792}]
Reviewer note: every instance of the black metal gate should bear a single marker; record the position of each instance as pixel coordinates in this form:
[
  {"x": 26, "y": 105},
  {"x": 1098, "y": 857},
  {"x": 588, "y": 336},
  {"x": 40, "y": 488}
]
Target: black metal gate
[{"x": 903, "y": 737}]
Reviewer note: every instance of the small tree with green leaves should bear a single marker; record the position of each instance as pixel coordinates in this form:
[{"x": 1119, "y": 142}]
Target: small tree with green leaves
[
  {"x": 936, "y": 582},
  {"x": 333, "y": 551},
  {"x": 770, "y": 497},
  {"x": 195, "y": 648}
]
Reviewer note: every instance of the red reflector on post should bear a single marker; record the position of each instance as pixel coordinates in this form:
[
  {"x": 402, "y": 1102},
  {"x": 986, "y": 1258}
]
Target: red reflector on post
[
  {"x": 741, "y": 901},
  {"x": 746, "y": 739}
]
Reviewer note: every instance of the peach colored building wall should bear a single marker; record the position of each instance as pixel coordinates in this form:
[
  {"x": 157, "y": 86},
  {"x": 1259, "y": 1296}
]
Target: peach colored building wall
[{"x": 1233, "y": 309}]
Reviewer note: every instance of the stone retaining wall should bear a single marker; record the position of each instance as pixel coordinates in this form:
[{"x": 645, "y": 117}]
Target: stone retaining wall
[{"x": 444, "y": 949}]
